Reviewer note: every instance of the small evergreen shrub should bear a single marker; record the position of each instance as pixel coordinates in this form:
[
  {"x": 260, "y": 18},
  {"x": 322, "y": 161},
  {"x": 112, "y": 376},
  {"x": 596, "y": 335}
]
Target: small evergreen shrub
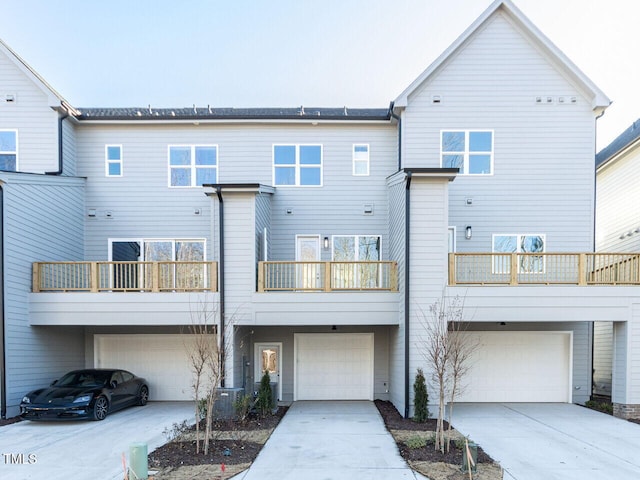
[
  {"x": 420, "y": 399},
  {"x": 242, "y": 406},
  {"x": 416, "y": 442},
  {"x": 264, "y": 401}
]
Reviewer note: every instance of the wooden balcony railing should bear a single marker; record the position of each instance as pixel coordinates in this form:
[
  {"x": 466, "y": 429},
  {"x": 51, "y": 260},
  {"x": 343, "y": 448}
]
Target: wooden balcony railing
[
  {"x": 125, "y": 276},
  {"x": 544, "y": 268},
  {"x": 327, "y": 276}
]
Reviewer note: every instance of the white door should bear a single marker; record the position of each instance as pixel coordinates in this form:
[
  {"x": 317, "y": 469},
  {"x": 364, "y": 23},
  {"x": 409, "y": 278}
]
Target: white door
[
  {"x": 333, "y": 366},
  {"x": 267, "y": 358},
  {"x": 308, "y": 275},
  {"x": 161, "y": 359},
  {"x": 519, "y": 367}
]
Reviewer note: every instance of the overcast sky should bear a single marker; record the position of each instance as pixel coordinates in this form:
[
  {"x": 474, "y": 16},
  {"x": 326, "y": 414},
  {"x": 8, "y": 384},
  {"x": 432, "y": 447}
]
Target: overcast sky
[{"x": 243, "y": 53}]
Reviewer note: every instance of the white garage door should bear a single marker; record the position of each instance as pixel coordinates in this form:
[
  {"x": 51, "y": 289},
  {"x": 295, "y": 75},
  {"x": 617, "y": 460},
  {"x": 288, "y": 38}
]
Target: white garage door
[
  {"x": 161, "y": 359},
  {"x": 336, "y": 366},
  {"x": 519, "y": 367}
]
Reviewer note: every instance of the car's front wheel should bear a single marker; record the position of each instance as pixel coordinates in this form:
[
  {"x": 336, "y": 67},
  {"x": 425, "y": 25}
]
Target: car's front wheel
[
  {"x": 100, "y": 409},
  {"x": 143, "y": 397}
]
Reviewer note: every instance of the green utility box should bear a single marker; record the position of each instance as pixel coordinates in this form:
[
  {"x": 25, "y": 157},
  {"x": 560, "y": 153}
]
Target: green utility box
[
  {"x": 473, "y": 450},
  {"x": 138, "y": 464}
]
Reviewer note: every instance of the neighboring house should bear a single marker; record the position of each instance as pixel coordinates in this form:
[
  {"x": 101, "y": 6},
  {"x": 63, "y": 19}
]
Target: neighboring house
[
  {"x": 317, "y": 238},
  {"x": 617, "y": 230}
]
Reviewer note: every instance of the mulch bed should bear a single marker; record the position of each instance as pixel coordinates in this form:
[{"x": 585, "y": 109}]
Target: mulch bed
[
  {"x": 177, "y": 453},
  {"x": 394, "y": 421}
]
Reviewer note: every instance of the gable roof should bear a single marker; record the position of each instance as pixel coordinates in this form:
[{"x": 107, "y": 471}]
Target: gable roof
[
  {"x": 599, "y": 101},
  {"x": 625, "y": 140},
  {"x": 55, "y": 100}
]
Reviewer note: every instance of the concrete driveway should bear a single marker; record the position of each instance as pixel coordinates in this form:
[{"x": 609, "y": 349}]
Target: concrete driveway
[
  {"x": 85, "y": 450},
  {"x": 552, "y": 441},
  {"x": 330, "y": 440}
]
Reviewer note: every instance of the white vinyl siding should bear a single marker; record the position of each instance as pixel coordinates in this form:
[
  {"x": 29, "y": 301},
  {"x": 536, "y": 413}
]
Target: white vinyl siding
[
  {"x": 361, "y": 160},
  {"x": 113, "y": 160}
]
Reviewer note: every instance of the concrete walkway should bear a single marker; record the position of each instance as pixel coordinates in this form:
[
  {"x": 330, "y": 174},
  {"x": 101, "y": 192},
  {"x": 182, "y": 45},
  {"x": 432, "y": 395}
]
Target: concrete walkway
[
  {"x": 85, "y": 450},
  {"x": 553, "y": 441},
  {"x": 330, "y": 441}
]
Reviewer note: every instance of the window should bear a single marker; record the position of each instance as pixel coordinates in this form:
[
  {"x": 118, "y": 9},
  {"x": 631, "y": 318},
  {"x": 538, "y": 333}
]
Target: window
[
  {"x": 297, "y": 165},
  {"x": 518, "y": 243},
  {"x": 9, "y": 150},
  {"x": 192, "y": 165},
  {"x": 356, "y": 248},
  {"x": 113, "y": 160},
  {"x": 361, "y": 160},
  {"x": 469, "y": 150}
]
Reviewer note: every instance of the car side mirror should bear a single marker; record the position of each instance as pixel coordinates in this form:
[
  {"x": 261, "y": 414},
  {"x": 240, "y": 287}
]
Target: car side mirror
[
  {"x": 53, "y": 383},
  {"x": 114, "y": 384}
]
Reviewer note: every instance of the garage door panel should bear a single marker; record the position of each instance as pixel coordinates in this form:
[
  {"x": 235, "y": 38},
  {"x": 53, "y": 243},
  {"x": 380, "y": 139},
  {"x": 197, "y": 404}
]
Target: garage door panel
[
  {"x": 161, "y": 359},
  {"x": 519, "y": 367},
  {"x": 334, "y": 366}
]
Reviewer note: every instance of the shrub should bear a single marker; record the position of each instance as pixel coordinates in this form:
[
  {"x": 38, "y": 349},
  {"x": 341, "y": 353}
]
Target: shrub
[
  {"x": 264, "y": 401},
  {"x": 177, "y": 429},
  {"x": 416, "y": 442},
  {"x": 242, "y": 406},
  {"x": 421, "y": 398},
  {"x": 601, "y": 406}
]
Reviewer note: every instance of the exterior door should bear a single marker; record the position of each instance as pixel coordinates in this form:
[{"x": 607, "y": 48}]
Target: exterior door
[
  {"x": 308, "y": 274},
  {"x": 125, "y": 275},
  {"x": 267, "y": 358}
]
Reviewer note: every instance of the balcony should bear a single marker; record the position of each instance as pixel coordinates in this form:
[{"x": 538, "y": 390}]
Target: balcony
[
  {"x": 327, "y": 276},
  {"x": 125, "y": 277},
  {"x": 544, "y": 269}
]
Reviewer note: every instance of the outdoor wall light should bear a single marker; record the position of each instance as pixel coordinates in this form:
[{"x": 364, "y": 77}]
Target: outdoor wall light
[
  {"x": 326, "y": 242},
  {"x": 467, "y": 232}
]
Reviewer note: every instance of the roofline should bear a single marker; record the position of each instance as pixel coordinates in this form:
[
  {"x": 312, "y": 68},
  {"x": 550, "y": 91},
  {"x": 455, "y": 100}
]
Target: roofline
[
  {"x": 599, "y": 100},
  {"x": 239, "y": 119},
  {"x": 54, "y": 98},
  {"x": 622, "y": 151},
  {"x": 237, "y": 188}
]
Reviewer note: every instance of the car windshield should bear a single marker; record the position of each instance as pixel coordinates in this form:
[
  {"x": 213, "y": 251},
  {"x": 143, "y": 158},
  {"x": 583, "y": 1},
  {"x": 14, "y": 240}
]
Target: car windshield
[{"x": 84, "y": 379}]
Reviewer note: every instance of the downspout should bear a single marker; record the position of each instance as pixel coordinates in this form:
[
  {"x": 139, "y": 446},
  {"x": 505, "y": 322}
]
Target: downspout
[
  {"x": 221, "y": 280},
  {"x": 3, "y": 355},
  {"x": 60, "y": 147},
  {"x": 593, "y": 245},
  {"x": 407, "y": 263},
  {"x": 399, "y": 119}
]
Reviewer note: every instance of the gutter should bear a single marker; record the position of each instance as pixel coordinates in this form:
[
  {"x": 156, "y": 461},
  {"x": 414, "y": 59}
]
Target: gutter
[
  {"x": 221, "y": 281},
  {"x": 60, "y": 146},
  {"x": 407, "y": 263}
]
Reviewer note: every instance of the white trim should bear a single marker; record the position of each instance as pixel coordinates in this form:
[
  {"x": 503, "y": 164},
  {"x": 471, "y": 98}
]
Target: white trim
[
  {"x": 256, "y": 363},
  {"x": 143, "y": 240},
  {"x": 297, "y": 164},
  {"x": 356, "y": 161},
  {"x": 193, "y": 168},
  {"x": 108, "y": 162},
  {"x": 452, "y": 232},
  {"x": 467, "y": 153}
]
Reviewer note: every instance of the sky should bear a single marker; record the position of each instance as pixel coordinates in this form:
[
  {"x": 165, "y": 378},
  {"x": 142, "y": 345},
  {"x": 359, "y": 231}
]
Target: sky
[{"x": 287, "y": 53}]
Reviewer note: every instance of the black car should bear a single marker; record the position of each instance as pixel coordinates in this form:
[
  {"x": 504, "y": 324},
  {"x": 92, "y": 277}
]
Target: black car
[{"x": 85, "y": 394}]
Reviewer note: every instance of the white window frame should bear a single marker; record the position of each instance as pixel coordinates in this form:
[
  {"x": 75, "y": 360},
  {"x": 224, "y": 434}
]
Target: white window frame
[
  {"x": 365, "y": 161},
  {"x": 466, "y": 152},
  {"x": 297, "y": 164},
  {"x": 143, "y": 240},
  {"x": 108, "y": 162},
  {"x": 356, "y": 237},
  {"x": 518, "y": 236},
  {"x": 11, "y": 152},
  {"x": 193, "y": 167}
]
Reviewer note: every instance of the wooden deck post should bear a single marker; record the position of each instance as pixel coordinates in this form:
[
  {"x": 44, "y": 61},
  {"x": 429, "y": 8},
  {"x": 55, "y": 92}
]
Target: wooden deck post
[
  {"x": 514, "y": 269},
  {"x": 93, "y": 277},
  {"x": 582, "y": 269},
  {"x": 35, "y": 277},
  {"x": 261, "y": 267},
  {"x": 327, "y": 276}
]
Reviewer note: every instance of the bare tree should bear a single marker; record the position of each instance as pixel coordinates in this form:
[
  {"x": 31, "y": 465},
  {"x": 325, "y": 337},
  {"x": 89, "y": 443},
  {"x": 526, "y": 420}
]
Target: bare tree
[{"x": 447, "y": 351}]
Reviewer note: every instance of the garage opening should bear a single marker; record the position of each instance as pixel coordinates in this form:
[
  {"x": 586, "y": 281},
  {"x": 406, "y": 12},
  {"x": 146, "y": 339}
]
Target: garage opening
[
  {"x": 161, "y": 359},
  {"x": 519, "y": 367},
  {"x": 334, "y": 366}
]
